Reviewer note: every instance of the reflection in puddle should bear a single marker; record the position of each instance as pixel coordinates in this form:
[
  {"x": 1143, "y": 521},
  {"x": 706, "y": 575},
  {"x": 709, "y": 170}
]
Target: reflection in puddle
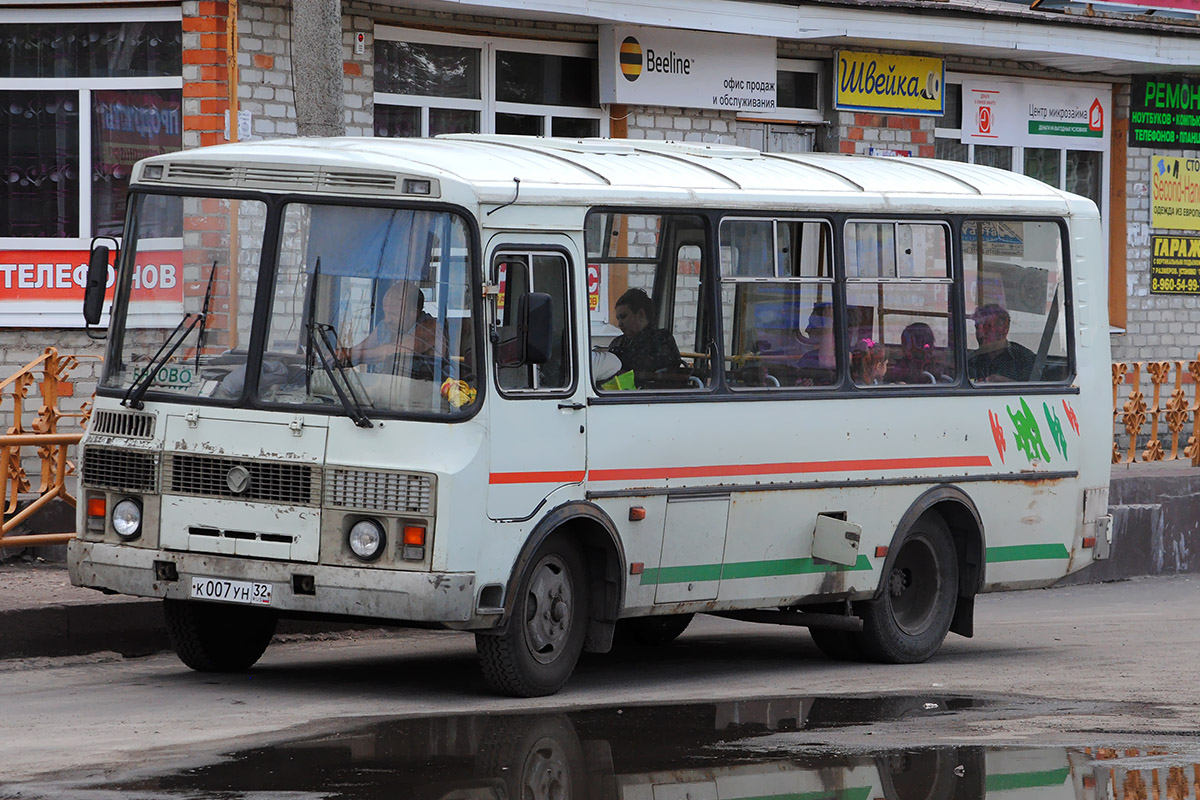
[{"x": 689, "y": 752}]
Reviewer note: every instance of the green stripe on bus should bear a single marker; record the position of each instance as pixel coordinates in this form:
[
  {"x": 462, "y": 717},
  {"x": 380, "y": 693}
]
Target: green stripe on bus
[
  {"x": 1026, "y": 552},
  {"x": 861, "y": 793},
  {"x": 747, "y": 569},
  {"x": 1027, "y": 780}
]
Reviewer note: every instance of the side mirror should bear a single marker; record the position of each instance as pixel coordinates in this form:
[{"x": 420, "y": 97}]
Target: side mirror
[
  {"x": 536, "y": 323},
  {"x": 97, "y": 277}
]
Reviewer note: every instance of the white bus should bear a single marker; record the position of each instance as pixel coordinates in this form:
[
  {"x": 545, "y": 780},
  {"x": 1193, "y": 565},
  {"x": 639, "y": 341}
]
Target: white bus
[{"x": 548, "y": 390}]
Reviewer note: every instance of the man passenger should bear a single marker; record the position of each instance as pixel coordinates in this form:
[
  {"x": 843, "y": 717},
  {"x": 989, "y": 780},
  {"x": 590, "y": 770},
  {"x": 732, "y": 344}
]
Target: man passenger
[
  {"x": 997, "y": 359},
  {"x": 644, "y": 349}
]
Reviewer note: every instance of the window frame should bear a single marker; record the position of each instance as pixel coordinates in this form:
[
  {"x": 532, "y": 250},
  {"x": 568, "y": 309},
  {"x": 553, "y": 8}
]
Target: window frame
[
  {"x": 487, "y": 106},
  {"x": 85, "y": 87},
  {"x": 570, "y": 350}
]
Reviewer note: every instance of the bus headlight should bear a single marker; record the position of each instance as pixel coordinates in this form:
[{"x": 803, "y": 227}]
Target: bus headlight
[
  {"x": 366, "y": 539},
  {"x": 127, "y": 519}
]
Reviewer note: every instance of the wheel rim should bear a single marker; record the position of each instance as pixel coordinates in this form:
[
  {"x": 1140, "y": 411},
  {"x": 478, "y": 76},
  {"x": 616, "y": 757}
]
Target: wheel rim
[
  {"x": 546, "y": 774},
  {"x": 913, "y": 587},
  {"x": 549, "y": 608}
]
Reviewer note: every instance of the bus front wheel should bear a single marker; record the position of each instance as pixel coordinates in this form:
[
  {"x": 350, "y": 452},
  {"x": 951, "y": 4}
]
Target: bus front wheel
[
  {"x": 211, "y": 637},
  {"x": 537, "y": 651},
  {"x": 908, "y": 622}
]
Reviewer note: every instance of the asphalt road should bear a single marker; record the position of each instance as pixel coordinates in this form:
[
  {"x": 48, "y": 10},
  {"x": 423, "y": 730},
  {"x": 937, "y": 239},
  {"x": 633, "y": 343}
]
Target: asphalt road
[{"x": 1112, "y": 664}]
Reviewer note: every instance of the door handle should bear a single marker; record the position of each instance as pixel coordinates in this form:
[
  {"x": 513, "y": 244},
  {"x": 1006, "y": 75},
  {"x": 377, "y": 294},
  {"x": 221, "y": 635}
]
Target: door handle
[{"x": 571, "y": 406}]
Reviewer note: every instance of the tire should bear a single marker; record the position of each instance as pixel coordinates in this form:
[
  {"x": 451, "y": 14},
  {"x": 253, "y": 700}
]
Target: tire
[
  {"x": 535, "y": 757},
  {"x": 537, "y": 651},
  {"x": 838, "y": 645},
  {"x": 654, "y": 631},
  {"x": 212, "y": 637},
  {"x": 908, "y": 622}
]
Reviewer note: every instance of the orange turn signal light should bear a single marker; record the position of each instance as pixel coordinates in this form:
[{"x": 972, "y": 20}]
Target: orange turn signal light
[
  {"x": 881, "y": 551},
  {"x": 414, "y": 536},
  {"x": 637, "y": 567},
  {"x": 1089, "y": 541},
  {"x": 96, "y": 507},
  {"x": 636, "y": 513}
]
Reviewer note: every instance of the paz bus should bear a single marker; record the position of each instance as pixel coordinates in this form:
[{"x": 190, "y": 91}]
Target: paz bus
[{"x": 557, "y": 392}]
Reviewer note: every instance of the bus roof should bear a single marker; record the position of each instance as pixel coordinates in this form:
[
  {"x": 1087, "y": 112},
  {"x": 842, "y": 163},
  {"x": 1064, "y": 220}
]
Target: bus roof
[{"x": 608, "y": 171}]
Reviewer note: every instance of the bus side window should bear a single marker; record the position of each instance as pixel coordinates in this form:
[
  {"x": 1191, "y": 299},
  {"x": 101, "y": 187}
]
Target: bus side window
[
  {"x": 1014, "y": 283},
  {"x": 521, "y": 273},
  {"x": 653, "y": 334},
  {"x": 898, "y": 303},
  {"x": 777, "y": 303}
]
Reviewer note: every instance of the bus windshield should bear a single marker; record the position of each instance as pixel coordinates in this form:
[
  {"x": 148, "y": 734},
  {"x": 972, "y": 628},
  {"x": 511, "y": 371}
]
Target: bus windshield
[
  {"x": 370, "y": 312},
  {"x": 371, "y": 306},
  {"x": 187, "y": 282}
]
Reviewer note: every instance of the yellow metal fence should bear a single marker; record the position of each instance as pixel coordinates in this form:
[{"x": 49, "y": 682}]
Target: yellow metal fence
[{"x": 50, "y": 433}]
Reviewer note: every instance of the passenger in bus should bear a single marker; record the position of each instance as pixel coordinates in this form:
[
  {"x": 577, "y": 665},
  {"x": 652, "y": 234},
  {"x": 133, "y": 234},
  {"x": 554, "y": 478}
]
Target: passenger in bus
[
  {"x": 919, "y": 361},
  {"x": 868, "y": 362},
  {"x": 647, "y": 351},
  {"x": 997, "y": 359},
  {"x": 404, "y": 330},
  {"x": 817, "y": 365}
]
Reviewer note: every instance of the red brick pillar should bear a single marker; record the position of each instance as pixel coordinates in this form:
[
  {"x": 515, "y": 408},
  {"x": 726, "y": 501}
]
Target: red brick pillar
[{"x": 206, "y": 97}]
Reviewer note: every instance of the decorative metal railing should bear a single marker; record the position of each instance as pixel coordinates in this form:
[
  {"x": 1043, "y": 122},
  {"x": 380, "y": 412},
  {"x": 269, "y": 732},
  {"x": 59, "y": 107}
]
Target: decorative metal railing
[
  {"x": 49, "y": 374},
  {"x": 1172, "y": 418}
]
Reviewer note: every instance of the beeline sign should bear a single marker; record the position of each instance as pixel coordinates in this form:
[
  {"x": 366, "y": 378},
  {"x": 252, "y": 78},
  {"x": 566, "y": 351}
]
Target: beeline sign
[{"x": 688, "y": 69}]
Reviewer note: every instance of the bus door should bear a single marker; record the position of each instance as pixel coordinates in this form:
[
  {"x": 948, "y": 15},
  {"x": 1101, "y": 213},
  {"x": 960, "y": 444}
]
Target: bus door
[{"x": 538, "y": 416}]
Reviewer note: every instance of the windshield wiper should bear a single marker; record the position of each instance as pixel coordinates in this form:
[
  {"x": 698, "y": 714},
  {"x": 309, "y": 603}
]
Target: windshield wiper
[
  {"x": 133, "y": 397},
  {"x": 320, "y": 333}
]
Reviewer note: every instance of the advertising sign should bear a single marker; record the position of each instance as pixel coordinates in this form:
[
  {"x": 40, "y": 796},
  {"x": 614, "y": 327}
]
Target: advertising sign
[
  {"x": 47, "y": 285},
  {"x": 1165, "y": 112},
  {"x": 889, "y": 83},
  {"x": 667, "y": 67},
  {"x": 1035, "y": 113},
  {"x": 1175, "y": 193},
  {"x": 1175, "y": 265}
]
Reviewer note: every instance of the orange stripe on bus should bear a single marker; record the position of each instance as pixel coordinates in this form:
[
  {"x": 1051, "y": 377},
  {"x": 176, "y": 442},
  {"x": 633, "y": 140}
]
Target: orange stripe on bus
[
  {"x": 536, "y": 477},
  {"x": 730, "y": 470}
]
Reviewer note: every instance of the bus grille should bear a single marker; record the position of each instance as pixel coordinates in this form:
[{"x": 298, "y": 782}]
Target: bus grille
[
  {"x": 126, "y": 470},
  {"x": 270, "y": 481},
  {"x": 123, "y": 423},
  {"x": 400, "y": 492}
]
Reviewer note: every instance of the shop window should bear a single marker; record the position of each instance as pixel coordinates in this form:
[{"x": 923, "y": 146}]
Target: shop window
[
  {"x": 1042, "y": 163},
  {"x": 428, "y": 84},
  {"x": 426, "y": 70},
  {"x": 1083, "y": 173},
  {"x": 46, "y": 143},
  {"x": 39, "y": 146},
  {"x": 546, "y": 79},
  {"x": 91, "y": 50},
  {"x": 994, "y": 156}
]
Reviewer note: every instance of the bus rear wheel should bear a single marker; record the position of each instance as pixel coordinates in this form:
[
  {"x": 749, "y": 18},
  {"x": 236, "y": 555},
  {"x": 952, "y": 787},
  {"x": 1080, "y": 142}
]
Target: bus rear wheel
[
  {"x": 537, "y": 651},
  {"x": 908, "y": 622},
  {"x": 210, "y": 637}
]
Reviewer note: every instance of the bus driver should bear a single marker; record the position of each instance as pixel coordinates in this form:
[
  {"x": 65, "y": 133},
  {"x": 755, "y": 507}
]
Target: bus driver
[{"x": 404, "y": 329}]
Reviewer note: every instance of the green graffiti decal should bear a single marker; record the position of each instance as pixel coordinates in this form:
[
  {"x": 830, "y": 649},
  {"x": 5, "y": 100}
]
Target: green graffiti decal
[
  {"x": 1056, "y": 430},
  {"x": 1027, "y": 436}
]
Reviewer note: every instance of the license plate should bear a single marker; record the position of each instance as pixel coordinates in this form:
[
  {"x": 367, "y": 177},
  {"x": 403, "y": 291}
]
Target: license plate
[{"x": 255, "y": 594}]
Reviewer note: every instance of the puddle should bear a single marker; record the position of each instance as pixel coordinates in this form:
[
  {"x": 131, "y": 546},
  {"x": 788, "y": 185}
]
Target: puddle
[{"x": 685, "y": 752}]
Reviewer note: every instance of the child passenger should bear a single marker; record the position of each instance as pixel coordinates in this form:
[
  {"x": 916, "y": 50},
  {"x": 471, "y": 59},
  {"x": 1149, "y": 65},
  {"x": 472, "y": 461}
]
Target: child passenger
[{"x": 868, "y": 362}]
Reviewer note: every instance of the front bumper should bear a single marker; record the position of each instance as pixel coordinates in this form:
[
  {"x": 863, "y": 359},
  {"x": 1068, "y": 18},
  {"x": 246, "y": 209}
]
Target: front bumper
[{"x": 447, "y": 597}]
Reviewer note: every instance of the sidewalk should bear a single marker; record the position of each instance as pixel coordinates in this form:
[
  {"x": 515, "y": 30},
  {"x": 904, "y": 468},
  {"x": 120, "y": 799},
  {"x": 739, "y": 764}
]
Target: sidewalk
[{"x": 42, "y": 614}]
